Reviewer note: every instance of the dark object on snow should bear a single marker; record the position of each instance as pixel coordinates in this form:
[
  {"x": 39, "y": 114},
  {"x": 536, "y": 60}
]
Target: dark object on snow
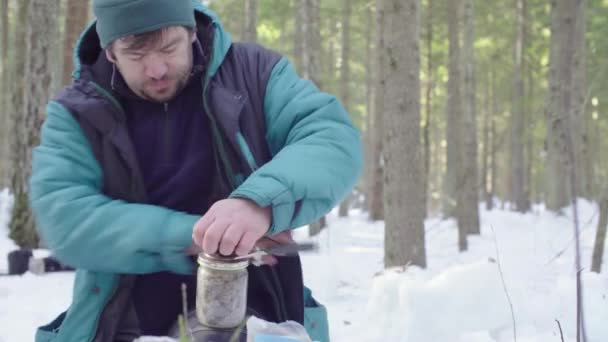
[
  {"x": 45, "y": 265},
  {"x": 18, "y": 261},
  {"x": 53, "y": 265},
  {"x": 200, "y": 333}
]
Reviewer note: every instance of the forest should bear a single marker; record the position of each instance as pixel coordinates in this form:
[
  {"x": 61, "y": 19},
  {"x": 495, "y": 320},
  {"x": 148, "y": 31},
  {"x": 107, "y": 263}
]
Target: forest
[{"x": 463, "y": 106}]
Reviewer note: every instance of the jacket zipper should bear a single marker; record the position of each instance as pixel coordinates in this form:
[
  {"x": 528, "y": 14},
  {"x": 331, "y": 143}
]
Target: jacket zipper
[{"x": 166, "y": 134}]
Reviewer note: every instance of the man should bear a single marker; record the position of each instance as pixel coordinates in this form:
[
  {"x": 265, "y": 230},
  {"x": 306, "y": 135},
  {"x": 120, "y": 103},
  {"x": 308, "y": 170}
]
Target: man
[{"x": 171, "y": 138}]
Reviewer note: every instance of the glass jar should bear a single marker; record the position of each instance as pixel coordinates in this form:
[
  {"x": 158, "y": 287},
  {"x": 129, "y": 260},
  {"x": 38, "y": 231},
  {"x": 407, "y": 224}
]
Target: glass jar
[{"x": 221, "y": 292}]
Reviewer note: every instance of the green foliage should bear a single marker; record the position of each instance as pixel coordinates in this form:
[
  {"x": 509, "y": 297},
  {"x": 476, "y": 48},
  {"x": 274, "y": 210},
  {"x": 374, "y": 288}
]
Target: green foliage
[
  {"x": 21, "y": 227},
  {"x": 183, "y": 337}
]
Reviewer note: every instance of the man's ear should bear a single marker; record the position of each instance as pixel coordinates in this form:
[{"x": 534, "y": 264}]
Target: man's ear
[
  {"x": 110, "y": 56},
  {"x": 192, "y": 35}
]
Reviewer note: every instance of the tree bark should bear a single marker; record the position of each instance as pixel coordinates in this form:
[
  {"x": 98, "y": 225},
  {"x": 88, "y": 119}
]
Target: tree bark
[
  {"x": 518, "y": 168},
  {"x": 76, "y": 18},
  {"x": 376, "y": 205},
  {"x": 345, "y": 78},
  {"x": 530, "y": 189},
  {"x": 311, "y": 62},
  {"x": 332, "y": 69},
  {"x": 298, "y": 41},
  {"x": 600, "y": 235},
  {"x": 17, "y": 84},
  {"x": 565, "y": 107},
  {"x": 316, "y": 227},
  {"x": 311, "y": 41},
  {"x": 369, "y": 86},
  {"x": 485, "y": 148},
  {"x": 468, "y": 204},
  {"x": 427, "y": 122},
  {"x": 404, "y": 236},
  {"x": 4, "y": 79},
  {"x": 559, "y": 105},
  {"x": 4, "y": 34},
  {"x": 453, "y": 177},
  {"x": 250, "y": 33},
  {"x": 583, "y": 161},
  {"x": 493, "y": 143},
  {"x": 41, "y": 29}
]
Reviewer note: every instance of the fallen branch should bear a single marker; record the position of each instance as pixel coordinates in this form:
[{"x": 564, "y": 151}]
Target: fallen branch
[{"x": 504, "y": 285}]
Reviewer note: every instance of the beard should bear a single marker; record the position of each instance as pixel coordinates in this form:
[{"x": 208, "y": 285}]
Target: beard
[{"x": 174, "y": 85}]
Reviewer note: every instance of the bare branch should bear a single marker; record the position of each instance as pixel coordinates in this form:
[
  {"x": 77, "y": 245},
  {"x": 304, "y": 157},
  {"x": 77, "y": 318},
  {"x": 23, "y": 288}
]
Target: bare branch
[
  {"x": 504, "y": 285},
  {"x": 561, "y": 333},
  {"x": 584, "y": 228}
]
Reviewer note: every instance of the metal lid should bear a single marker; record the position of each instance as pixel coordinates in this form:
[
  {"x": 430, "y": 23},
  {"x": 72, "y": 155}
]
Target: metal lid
[{"x": 220, "y": 262}]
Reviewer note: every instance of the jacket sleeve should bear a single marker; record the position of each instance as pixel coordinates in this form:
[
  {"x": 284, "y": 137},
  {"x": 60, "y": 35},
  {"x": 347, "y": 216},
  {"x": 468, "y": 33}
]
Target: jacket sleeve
[
  {"x": 86, "y": 229},
  {"x": 317, "y": 154}
]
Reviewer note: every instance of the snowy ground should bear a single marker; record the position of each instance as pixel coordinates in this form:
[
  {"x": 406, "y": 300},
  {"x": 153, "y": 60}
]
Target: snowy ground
[{"x": 458, "y": 298}]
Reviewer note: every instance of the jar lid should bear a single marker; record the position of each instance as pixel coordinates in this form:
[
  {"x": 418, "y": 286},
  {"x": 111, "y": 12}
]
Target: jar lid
[{"x": 220, "y": 262}]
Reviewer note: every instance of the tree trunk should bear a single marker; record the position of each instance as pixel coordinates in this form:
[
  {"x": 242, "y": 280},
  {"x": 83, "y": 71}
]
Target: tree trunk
[
  {"x": 404, "y": 236},
  {"x": 369, "y": 85},
  {"x": 311, "y": 40},
  {"x": 3, "y": 89},
  {"x": 468, "y": 204},
  {"x": 493, "y": 143},
  {"x": 311, "y": 62},
  {"x": 453, "y": 177},
  {"x": 298, "y": 41},
  {"x": 376, "y": 204},
  {"x": 565, "y": 112},
  {"x": 3, "y": 35},
  {"x": 518, "y": 169},
  {"x": 250, "y": 33},
  {"x": 558, "y": 116},
  {"x": 41, "y": 29},
  {"x": 485, "y": 148},
  {"x": 316, "y": 227},
  {"x": 76, "y": 18},
  {"x": 345, "y": 79},
  {"x": 427, "y": 122},
  {"x": 16, "y": 85},
  {"x": 600, "y": 236},
  {"x": 530, "y": 189},
  {"x": 583, "y": 162},
  {"x": 332, "y": 70}
]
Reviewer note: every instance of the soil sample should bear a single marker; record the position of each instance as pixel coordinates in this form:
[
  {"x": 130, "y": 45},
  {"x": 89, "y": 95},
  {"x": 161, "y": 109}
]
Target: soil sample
[{"x": 221, "y": 293}]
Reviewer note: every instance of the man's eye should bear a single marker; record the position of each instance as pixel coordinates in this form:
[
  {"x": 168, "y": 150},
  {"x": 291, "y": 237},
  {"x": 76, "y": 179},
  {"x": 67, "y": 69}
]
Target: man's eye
[
  {"x": 135, "y": 57},
  {"x": 168, "y": 50}
]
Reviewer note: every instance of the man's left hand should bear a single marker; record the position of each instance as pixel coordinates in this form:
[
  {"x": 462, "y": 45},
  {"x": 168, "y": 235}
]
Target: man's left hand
[{"x": 232, "y": 226}]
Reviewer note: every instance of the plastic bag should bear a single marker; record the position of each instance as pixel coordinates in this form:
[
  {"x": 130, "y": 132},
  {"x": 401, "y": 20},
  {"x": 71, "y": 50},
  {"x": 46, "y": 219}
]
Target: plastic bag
[{"x": 259, "y": 330}]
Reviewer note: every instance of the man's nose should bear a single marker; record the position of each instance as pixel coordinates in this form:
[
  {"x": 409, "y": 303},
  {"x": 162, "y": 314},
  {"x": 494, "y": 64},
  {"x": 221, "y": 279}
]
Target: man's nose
[{"x": 156, "y": 68}]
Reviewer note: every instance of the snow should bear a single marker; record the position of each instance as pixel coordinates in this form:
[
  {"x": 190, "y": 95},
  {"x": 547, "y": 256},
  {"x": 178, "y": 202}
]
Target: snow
[{"x": 459, "y": 297}]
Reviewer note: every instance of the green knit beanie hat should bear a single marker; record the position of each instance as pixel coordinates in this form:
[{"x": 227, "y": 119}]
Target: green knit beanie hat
[{"x": 121, "y": 18}]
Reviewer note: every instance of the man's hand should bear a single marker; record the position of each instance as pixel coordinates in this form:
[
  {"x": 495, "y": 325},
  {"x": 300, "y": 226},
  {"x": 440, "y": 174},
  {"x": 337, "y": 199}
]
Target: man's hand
[{"x": 232, "y": 226}]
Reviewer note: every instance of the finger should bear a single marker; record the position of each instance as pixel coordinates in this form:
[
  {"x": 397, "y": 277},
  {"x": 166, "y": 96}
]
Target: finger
[
  {"x": 213, "y": 235},
  {"x": 230, "y": 239},
  {"x": 201, "y": 226},
  {"x": 247, "y": 243},
  {"x": 269, "y": 260}
]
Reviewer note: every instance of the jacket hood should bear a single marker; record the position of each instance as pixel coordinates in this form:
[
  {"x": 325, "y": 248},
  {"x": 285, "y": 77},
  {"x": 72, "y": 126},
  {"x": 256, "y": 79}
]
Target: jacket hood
[{"x": 88, "y": 47}]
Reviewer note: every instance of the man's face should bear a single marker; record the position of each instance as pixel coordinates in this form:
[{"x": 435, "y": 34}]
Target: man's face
[{"x": 158, "y": 70}]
